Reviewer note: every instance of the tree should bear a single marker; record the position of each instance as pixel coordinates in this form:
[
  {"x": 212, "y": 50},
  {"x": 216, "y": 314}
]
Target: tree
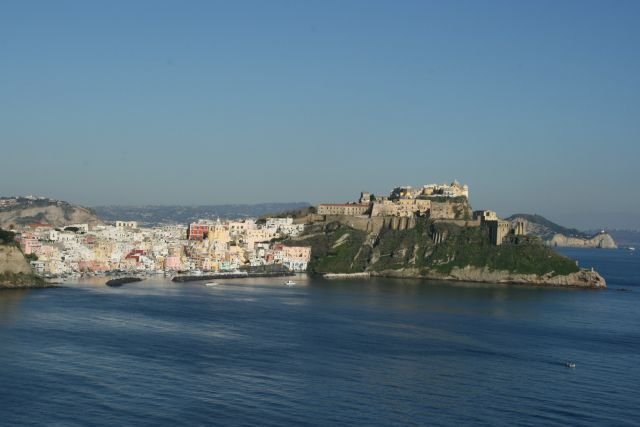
[{"x": 6, "y": 236}]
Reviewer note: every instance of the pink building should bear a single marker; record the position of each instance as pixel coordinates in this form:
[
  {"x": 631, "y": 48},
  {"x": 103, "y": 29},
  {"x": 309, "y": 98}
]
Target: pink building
[
  {"x": 197, "y": 231},
  {"x": 300, "y": 253},
  {"x": 173, "y": 262},
  {"x": 29, "y": 244}
]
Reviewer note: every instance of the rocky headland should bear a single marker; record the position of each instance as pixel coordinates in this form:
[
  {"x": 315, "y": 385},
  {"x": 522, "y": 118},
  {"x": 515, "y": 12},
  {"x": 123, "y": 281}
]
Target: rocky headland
[
  {"x": 15, "y": 271},
  {"x": 600, "y": 240},
  {"x": 558, "y": 236},
  {"x": 438, "y": 250}
]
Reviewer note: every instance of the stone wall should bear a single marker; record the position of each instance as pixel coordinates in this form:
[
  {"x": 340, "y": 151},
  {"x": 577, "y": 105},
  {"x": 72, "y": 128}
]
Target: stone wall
[
  {"x": 459, "y": 222},
  {"x": 362, "y": 223},
  {"x": 399, "y": 223}
]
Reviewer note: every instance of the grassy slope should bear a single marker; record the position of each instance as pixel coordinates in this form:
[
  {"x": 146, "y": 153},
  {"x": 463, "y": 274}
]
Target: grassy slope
[
  {"x": 350, "y": 256},
  {"x": 470, "y": 246},
  {"x": 414, "y": 248}
]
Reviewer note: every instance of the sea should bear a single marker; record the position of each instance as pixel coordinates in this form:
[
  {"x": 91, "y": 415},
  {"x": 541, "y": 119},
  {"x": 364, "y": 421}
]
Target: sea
[{"x": 379, "y": 352}]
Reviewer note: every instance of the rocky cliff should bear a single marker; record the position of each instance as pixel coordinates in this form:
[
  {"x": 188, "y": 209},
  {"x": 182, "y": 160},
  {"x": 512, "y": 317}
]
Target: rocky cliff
[
  {"x": 13, "y": 261},
  {"x": 440, "y": 250},
  {"x": 15, "y": 271},
  {"x": 600, "y": 240}
]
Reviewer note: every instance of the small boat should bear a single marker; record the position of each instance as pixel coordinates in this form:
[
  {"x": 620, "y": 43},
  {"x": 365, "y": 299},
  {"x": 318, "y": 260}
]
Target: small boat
[
  {"x": 211, "y": 284},
  {"x": 570, "y": 365},
  {"x": 631, "y": 248},
  {"x": 289, "y": 282}
]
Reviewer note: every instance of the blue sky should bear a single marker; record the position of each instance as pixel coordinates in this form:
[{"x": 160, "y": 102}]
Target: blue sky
[{"x": 534, "y": 104}]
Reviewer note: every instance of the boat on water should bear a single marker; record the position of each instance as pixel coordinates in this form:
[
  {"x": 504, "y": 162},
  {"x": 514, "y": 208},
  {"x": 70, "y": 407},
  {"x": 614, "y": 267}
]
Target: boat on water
[
  {"x": 631, "y": 248},
  {"x": 570, "y": 365},
  {"x": 211, "y": 284},
  {"x": 289, "y": 282}
]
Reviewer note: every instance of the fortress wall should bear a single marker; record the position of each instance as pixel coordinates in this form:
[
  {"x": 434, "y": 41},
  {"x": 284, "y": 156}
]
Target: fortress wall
[
  {"x": 362, "y": 223},
  {"x": 459, "y": 222}
]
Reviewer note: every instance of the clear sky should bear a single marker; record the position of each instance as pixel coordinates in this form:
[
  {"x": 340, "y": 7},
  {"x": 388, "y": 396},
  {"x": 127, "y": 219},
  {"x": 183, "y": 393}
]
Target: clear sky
[{"x": 534, "y": 104}]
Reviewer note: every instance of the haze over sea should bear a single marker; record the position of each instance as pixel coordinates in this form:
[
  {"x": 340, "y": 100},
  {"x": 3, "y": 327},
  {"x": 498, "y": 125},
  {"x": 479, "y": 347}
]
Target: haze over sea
[{"x": 378, "y": 352}]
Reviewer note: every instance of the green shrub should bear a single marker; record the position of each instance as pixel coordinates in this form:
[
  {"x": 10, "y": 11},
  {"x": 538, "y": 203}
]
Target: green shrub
[{"x": 7, "y": 237}]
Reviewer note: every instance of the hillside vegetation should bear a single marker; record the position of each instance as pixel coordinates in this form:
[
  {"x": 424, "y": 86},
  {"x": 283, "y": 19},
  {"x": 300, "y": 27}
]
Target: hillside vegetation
[
  {"x": 7, "y": 237},
  {"x": 337, "y": 248}
]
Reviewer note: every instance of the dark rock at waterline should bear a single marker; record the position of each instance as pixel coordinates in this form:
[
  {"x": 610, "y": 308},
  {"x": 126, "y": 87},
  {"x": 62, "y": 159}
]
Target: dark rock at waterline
[{"x": 122, "y": 280}]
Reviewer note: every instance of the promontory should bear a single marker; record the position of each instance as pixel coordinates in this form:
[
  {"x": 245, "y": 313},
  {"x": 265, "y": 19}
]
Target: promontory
[
  {"x": 15, "y": 271},
  {"x": 431, "y": 232}
]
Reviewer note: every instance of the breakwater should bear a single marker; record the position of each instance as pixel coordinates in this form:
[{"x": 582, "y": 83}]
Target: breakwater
[
  {"x": 122, "y": 280},
  {"x": 363, "y": 275},
  {"x": 235, "y": 275}
]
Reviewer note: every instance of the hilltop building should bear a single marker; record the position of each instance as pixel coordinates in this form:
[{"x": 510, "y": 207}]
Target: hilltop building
[
  {"x": 498, "y": 228},
  {"x": 433, "y": 200},
  {"x": 431, "y": 190},
  {"x": 351, "y": 209},
  {"x": 127, "y": 224},
  {"x": 437, "y": 202}
]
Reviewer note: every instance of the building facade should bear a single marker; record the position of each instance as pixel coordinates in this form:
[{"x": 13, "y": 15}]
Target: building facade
[{"x": 343, "y": 209}]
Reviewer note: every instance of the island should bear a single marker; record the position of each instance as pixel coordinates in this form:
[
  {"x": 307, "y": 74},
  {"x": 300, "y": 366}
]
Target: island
[
  {"x": 428, "y": 231},
  {"x": 431, "y": 232}
]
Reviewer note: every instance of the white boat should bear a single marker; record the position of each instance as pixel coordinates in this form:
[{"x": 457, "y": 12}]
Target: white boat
[
  {"x": 289, "y": 282},
  {"x": 570, "y": 365},
  {"x": 211, "y": 284},
  {"x": 631, "y": 248}
]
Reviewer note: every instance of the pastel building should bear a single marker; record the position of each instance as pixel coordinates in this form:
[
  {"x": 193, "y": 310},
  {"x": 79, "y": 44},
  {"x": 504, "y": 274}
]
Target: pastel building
[
  {"x": 295, "y": 258},
  {"x": 197, "y": 231},
  {"x": 127, "y": 224}
]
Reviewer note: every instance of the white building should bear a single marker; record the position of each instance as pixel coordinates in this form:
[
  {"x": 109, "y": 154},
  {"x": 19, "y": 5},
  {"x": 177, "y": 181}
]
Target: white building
[{"x": 126, "y": 224}]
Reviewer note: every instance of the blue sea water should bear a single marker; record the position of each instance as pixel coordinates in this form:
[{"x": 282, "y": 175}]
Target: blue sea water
[{"x": 360, "y": 352}]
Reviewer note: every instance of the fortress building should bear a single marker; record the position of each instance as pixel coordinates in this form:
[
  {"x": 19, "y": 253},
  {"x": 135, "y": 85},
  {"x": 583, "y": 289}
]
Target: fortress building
[
  {"x": 437, "y": 202},
  {"x": 498, "y": 228},
  {"x": 350, "y": 209}
]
